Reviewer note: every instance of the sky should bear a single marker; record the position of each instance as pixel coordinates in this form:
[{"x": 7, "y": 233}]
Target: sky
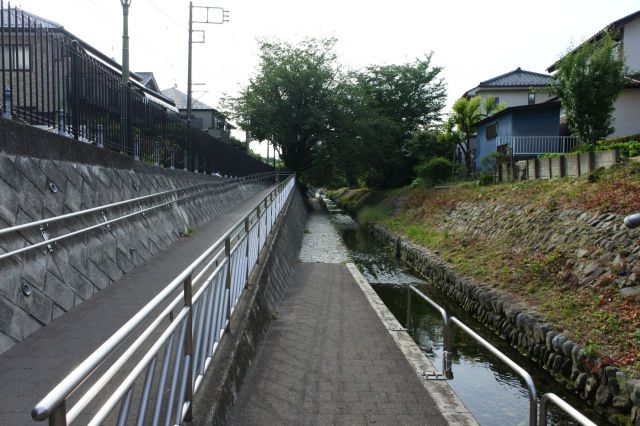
[{"x": 472, "y": 40}]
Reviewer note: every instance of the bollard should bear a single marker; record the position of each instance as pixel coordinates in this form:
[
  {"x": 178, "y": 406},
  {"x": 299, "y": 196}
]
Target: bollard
[
  {"x": 100, "y": 136},
  {"x": 173, "y": 158},
  {"x": 6, "y": 103},
  {"x": 136, "y": 148}
]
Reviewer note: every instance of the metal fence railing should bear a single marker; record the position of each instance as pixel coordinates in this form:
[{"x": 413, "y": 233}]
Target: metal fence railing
[
  {"x": 447, "y": 370},
  {"x": 128, "y": 209},
  {"x": 205, "y": 296},
  {"x": 535, "y": 145},
  {"x": 58, "y": 83}
]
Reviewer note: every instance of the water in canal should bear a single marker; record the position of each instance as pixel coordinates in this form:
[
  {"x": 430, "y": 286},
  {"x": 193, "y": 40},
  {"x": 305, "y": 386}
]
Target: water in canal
[{"x": 493, "y": 394}]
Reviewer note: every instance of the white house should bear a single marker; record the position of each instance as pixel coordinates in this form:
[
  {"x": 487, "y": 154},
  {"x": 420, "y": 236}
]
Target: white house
[
  {"x": 626, "y": 33},
  {"x": 515, "y": 88}
]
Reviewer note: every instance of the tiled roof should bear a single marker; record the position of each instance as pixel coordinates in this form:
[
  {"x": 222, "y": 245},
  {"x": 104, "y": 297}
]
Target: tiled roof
[
  {"x": 145, "y": 77},
  {"x": 632, "y": 81},
  {"x": 180, "y": 99},
  {"x": 518, "y": 78},
  {"x": 9, "y": 19}
]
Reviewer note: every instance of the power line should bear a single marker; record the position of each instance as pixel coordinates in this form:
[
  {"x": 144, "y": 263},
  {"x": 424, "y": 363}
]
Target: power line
[{"x": 182, "y": 26}]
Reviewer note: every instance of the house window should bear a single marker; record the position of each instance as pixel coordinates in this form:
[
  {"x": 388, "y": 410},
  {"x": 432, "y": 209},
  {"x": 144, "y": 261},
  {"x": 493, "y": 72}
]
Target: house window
[
  {"x": 17, "y": 58},
  {"x": 532, "y": 98},
  {"x": 492, "y": 130}
]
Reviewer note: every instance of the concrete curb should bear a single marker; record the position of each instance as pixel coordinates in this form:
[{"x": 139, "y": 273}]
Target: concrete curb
[{"x": 445, "y": 398}]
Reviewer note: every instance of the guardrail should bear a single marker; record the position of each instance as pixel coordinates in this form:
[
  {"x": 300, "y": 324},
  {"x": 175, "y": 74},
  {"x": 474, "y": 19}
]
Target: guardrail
[
  {"x": 211, "y": 287},
  {"x": 49, "y": 241},
  {"x": 448, "y": 323}
]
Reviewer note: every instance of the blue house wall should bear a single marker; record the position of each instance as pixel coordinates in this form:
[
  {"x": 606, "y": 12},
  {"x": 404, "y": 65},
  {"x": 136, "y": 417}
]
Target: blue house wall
[
  {"x": 484, "y": 146},
  {"x": 518, "y": 122},
  {"x": 544, "y": 122}
]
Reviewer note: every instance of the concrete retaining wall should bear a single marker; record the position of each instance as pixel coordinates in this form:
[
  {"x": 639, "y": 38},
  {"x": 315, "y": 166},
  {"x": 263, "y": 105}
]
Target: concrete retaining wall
[
  {"x": 38, "y": 286},
  {"x": 572, "y": 165},
  {"x": 252, "y": 317}
]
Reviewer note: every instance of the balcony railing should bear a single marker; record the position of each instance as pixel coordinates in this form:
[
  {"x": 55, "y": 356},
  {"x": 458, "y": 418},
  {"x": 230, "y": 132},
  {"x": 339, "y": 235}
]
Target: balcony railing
[{"x": 535, "y": 145}]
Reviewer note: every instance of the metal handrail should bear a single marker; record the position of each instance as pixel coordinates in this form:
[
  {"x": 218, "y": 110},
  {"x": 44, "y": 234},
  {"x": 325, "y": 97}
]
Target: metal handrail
[
  {"x": 50, "y": 220},
  {"x": 447, "y": 364},
  {"x": 105, "y": 207},
  {"x": 446, "y": 352},
  {"x": 564, "y": 406},
  {"x": 533, "y": 396},
  {"x": 235, "y": 267}
]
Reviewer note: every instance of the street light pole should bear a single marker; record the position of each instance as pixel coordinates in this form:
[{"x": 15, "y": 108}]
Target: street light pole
[
  {"x": 125, "y": 74},
  {"x": 189, "y": 167},
  {"x": 223, "y": 18}
]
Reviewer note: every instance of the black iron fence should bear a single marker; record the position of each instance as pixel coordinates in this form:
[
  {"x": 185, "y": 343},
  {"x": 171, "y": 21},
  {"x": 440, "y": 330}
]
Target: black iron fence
[{"x": 60, "y": 84}]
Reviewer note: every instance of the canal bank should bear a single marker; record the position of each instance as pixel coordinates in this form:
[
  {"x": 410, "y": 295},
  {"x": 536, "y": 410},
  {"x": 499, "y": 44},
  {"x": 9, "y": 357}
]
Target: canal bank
[{"x": 552, "y": 358}]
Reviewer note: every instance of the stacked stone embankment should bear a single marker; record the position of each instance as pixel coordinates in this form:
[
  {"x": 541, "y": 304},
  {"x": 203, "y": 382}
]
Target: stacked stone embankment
[
  {"x": 604, "y": 254},
  {"x": 39, "y": 285}
]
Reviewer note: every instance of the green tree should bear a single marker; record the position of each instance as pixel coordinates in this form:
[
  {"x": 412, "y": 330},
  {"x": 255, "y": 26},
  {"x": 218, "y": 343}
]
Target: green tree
[
  {"x": 588, "y": 82},
  {"x": 394, "y": 102},
  {"x": 465, "y": 115},
  {"x": 290, "y": 101}
]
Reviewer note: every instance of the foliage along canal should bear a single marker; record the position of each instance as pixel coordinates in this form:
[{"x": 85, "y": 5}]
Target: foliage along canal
[{"x": 490, "y": 390}]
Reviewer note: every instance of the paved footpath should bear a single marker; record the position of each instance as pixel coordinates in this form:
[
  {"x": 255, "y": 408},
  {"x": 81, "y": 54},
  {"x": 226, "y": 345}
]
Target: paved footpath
[
  {"x": 30, "y": 369},
  {"x": 329, "y": 359}
]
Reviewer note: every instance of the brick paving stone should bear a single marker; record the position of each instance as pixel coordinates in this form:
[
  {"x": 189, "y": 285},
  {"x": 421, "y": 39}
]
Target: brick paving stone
[
  {"x": 354, "y": 373},
  {"x": 326, "y": 318}
]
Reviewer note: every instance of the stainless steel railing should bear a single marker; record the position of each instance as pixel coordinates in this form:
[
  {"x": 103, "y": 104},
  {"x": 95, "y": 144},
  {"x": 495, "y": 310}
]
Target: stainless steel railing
[
  {"x": 49, "y": 241},
  {"x": 449, "y": 322},
  {"x": 185, "y": 347},
  {"x": 575, "y": 414}
]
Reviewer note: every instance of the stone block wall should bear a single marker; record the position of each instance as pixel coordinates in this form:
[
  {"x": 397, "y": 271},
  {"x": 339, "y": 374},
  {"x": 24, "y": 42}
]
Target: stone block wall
[
  {"x": 600, "y": 248},
  {"x": 572, "y": 165},
  {"x": 40, "y": 285}
]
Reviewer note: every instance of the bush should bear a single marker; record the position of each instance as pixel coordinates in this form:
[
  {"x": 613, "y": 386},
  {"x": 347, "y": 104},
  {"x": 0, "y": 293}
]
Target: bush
[
  {"x": 627, "y": 149},
  {"x": 437, "y": 169},
  {"x": 489, "y": 162},
  {"x": 486, "y": 179}
]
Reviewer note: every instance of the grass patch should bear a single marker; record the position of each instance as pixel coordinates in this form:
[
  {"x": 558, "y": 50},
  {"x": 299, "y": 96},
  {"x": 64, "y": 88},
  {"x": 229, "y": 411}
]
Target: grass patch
[{"x": 504, "y": 257}]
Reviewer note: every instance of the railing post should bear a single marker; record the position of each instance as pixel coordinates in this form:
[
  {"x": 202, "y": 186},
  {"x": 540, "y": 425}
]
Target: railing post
[
  {"x": 59, "y": 415},
  {"x": 227, "y": 253},
  {"x": 188, "y": 345},
  {"x": 408, "y": 325},
  {"x": 247, "y": 228},
  {"x": 136, "y": 148},
  {"x": 6, "y": 103},
  {"x": 447, "y": 349},
  {"x": 100, "y": 136},
  {"x": 258, "y": 224},
  {"x": 61, "y": 130},
  {"x": 156, "y": 153}
]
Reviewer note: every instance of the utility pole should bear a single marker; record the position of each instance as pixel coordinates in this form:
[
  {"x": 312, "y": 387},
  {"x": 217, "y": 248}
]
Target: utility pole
[
  {"x": 124, "y": 133},
  {"x": 224, "y": 17}
]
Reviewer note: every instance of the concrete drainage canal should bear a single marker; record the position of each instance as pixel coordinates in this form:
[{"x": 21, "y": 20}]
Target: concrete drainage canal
[{"x": 489, "y": 389}]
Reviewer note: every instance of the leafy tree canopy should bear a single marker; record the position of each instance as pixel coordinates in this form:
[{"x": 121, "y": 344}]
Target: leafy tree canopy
[
  {"x": 588, "y": 82},
  {"x": 329, "y": 125}
]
